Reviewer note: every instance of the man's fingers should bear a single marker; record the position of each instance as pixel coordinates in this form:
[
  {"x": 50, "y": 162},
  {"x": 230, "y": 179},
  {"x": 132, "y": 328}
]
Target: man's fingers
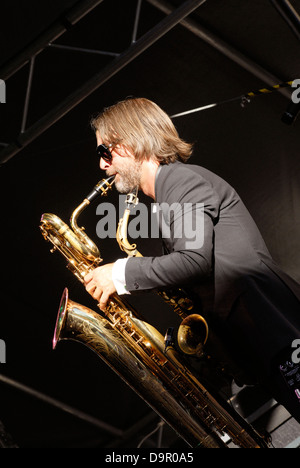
[
  {"x": 90, "y": 287},
  {"x": 88, "y": 277},
  {"x": 103, "y": 301},
  {"x": 99, "y": 285}
]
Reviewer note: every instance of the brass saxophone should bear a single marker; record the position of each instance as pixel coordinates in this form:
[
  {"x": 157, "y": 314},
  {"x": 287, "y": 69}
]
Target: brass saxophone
[
  {"x": 193, "y": 331},
  {"x": 137, "y": 352},
  {"x": 81, "y": 252}
]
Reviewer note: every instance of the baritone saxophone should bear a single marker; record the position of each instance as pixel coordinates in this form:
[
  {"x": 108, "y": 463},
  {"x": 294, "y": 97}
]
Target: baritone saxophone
[
  {"x": 193, "y": 331},
  {"x": 136, "y": 351}
]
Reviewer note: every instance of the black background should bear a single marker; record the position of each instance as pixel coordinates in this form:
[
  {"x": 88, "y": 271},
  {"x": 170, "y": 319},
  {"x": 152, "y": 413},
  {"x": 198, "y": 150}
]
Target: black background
[{"x": 250, "y": 147}]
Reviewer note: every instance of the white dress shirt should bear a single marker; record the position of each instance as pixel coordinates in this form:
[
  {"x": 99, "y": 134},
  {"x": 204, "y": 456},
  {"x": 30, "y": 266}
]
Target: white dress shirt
[{"x": 118, "y": 276}]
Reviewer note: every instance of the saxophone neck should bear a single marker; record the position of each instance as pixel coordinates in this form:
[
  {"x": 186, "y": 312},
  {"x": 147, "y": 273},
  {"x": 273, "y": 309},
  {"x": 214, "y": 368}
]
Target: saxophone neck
[
  {"x": 121, "y": 236},
  {"x": 100, "y": 189},
  {"x": 75, "y": 215}
]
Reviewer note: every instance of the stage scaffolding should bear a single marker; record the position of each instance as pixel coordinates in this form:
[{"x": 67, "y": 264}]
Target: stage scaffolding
[{"x": 49, "y": 37}]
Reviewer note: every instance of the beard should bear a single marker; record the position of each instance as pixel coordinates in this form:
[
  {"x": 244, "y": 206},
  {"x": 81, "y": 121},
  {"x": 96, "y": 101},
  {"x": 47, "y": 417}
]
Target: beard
[{"x": 129, "y": 176}]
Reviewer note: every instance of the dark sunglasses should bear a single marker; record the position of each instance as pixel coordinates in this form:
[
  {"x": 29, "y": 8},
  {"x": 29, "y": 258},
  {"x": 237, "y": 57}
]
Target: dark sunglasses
[{"x": 104, "y": 153}]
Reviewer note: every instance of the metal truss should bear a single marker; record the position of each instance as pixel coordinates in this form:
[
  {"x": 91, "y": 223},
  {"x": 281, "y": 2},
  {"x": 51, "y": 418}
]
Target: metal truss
[
  {"x": 119, "y": 61},
  {"x": 226, "y": 49},
  {"x": 117, "y": 435},
  {"x": 289, "y": 14},
  {"x": 137, "y": 47}
]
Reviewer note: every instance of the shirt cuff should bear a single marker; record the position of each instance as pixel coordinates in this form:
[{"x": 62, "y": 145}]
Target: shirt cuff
[{"x": 118, "y": 276}]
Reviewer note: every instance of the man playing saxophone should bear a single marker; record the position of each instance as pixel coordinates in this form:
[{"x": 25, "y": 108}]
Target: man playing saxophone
[{"x": 245, "y": 297}]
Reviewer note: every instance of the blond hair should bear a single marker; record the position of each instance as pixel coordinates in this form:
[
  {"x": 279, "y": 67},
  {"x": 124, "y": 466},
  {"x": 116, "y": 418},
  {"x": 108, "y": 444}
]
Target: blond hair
[{"x": 144, "y": 128}]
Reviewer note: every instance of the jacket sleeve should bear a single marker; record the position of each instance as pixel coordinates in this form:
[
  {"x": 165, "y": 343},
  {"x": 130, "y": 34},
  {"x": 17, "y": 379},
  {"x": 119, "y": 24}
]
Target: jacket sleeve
[{"x": 189, "y": 208}]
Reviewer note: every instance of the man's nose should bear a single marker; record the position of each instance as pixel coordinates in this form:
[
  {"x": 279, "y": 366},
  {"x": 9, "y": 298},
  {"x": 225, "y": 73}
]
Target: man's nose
[{"x": 104, "y": 165}]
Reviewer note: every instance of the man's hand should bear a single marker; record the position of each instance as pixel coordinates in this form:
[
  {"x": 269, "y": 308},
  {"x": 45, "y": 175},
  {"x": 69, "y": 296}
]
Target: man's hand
[{"x": 99, "y": 284}]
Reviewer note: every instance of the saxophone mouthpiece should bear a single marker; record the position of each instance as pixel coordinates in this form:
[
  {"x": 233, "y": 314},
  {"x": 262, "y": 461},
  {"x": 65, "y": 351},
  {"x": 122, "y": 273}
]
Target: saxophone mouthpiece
[
  {"x": 110, "y": 180},
  {"x": 101, "y": 188}
]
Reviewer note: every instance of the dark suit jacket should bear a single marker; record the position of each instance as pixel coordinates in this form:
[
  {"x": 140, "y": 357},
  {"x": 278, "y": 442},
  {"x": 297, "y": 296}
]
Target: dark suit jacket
[{"x": 232, "y": 273}]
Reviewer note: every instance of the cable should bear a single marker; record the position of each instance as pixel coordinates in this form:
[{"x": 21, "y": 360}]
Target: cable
[
  {"x": 158, "y": 427},
  {"x": 245, "y": 98}
]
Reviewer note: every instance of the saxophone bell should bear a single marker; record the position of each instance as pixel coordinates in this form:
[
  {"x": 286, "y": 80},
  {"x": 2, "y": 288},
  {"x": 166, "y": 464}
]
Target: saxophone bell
[
  {"x": 192, "y": 335},
  {"x": 161, "y": 379},
  {"x": 61, "y": 318}
]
